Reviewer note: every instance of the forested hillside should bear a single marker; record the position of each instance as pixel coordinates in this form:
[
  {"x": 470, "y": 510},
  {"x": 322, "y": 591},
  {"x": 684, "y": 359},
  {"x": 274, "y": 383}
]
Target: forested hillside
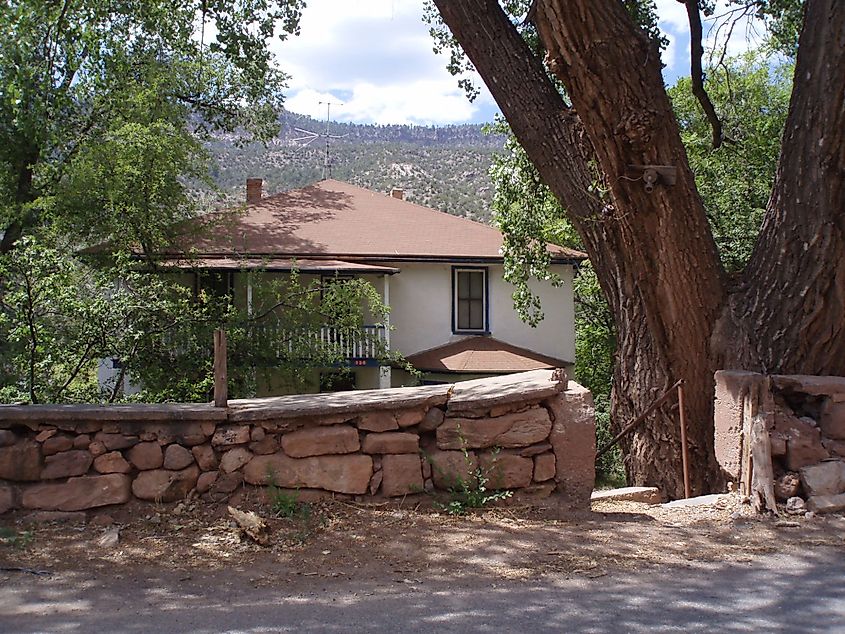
[{"x": 440, "y": 167}]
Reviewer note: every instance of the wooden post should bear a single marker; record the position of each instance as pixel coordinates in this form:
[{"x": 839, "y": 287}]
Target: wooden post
[
  {"x": 684, "y": 457},
  {"x": 221, "y": 385}
]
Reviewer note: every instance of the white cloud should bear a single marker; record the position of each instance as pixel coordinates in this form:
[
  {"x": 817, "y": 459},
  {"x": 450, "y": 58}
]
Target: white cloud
[{"x": 375, "y": 57}]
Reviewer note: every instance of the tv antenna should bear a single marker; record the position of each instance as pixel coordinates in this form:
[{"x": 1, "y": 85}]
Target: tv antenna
[{"x": 311, "y": 135}]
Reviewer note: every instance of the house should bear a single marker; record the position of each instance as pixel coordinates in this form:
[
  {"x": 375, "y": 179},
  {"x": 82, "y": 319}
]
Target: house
[{"x": 451, "y": 312}]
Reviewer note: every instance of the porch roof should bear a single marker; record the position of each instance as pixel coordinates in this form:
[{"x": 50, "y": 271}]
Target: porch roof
[
  {"x": 276, "y": 264},
  {"x": 482, "y": 355}
]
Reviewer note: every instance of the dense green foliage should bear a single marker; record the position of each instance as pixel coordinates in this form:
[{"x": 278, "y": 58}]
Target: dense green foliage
[
  {"x": 735, "y": 180},
  {"x": 105, "y": 109},
  {"x": 59, "y": 317},
  {"x": 75, "y": 76}
]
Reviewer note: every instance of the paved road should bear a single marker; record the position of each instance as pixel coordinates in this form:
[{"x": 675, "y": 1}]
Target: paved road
[{"x": 776, "y": 593}]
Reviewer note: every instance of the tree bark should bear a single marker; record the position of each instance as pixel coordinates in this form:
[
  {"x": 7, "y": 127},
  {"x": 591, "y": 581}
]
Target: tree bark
[{"x": 677, "y": 314}]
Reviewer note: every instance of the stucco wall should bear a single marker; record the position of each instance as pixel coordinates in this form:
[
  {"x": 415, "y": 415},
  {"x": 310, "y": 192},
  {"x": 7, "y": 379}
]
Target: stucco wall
[
  {"x": 421, "y": 311},
  {"x": 532, "y": 432}
]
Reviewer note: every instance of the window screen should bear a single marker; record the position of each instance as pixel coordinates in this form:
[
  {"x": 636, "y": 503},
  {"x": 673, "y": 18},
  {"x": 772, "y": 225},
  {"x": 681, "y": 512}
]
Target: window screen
[{"x": 469, "y": 300}]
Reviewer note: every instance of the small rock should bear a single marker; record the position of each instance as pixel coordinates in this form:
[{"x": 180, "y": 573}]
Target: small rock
[
  {"x": 44, "y": 435},
  {"x": 787, "y": 486},
  {"x": 795, "y": 506},
  {"x": 112, "y": 462},
  {"x": 109, "y": 539}
]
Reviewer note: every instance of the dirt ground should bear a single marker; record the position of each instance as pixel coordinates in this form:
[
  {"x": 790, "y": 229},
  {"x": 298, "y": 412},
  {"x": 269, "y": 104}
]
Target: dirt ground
[{"x": 404, "y": 544}]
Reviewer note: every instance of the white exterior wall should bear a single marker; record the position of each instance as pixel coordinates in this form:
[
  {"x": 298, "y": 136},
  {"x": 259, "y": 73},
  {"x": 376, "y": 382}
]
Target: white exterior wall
[{"x": 421, "y": 311}]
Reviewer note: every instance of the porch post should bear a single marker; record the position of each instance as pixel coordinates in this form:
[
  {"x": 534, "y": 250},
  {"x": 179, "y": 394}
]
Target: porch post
[{"x": 384, "y": 378}]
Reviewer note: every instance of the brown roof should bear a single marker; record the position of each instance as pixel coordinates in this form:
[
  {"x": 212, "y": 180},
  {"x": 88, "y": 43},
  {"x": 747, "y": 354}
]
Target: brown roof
[
  {"x": 333, "y": 219},
  {"x": 276, "y": 264},
  {"x": 482, "y": 355}
]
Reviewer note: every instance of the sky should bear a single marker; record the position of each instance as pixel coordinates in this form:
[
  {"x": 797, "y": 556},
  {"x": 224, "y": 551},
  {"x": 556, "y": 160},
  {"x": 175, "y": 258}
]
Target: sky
[{"x": 371, "y": 61}]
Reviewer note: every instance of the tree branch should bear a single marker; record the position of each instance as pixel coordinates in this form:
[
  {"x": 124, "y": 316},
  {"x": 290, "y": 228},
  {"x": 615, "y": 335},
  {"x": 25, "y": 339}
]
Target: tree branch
[{"x": 697, "y": 72}]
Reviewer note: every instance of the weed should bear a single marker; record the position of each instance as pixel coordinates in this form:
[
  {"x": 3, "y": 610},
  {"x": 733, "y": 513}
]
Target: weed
[
  {"x": 474, "y": 491},
  {"x": 284, "y": 504},
  {"x": 13, "y": 538}
]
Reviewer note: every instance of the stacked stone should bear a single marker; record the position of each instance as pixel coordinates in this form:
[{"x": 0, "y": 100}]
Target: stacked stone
[
  {"x": 392, "y": 445},
  {"x": 807, "y": 434}
]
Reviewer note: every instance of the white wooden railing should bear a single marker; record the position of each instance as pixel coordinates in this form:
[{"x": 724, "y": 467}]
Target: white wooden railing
[{"x": 369, "y": 342}]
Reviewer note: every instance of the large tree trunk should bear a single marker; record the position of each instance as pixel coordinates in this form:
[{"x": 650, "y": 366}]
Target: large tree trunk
[{"x": 653, "y": 251}]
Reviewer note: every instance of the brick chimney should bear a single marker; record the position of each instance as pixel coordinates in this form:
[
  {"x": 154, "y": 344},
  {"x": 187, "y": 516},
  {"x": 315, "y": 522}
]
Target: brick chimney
[
  {"x": 254, "y": 190},
  {"x": 398, "y": 193}
]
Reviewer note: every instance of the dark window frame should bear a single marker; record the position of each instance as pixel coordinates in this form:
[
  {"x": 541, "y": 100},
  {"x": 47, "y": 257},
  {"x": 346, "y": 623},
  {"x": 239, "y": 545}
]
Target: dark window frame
[{"x": 485, "y": 329}]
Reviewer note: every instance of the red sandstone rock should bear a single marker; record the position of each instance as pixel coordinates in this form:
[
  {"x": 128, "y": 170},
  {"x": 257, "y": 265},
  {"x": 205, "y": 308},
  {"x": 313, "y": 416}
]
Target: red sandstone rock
[
  {"x": 176, "y": 457},
  {"x": 573, "y": 439},
  {"x": 832, "y": 421},
  {"x": 97, "y": 448},
  {"x": 146, "y": 455},
  {"x": 544, "y": 467},
  {"x": 227, "y": 483},
  {"x": 45, "y": 434},
  {"x": 342, "y": 474},
  {"x": 82, "y": 441},
  {"x": 112, "y": 462},
  {"x": 7, "y": 499},
  {"x": 205, "y": 457},
  {"x": 506, "y": 470},
  {"x": 257, "y": 434},
  {"x": 115, "y": 440},
  {"x": 375, "y": 482},
  {"x": 825, "y": 478},
  {"x": 518, "y": 429},
  {"x": 66, "y": 464},
  {"x": 7, "y": 437},
  {"x": 834, "y": 447},
  {"x": 448, "y": 468},
  {"x": 234, "y": 459},
  {"x": 433, "y": 419},
  {"x": 533, "y": 450},
  {"x": 230, "y": 435},
  {"x": 409, "y": 417},
  {"x": 55, "y": 444},
  {"x": 78, "y": 494},
  {"x": 391, "y": 443},
  {"x": 266, "y": 445},
  {"x": 787, "y": 486},
  {"x": 205, "y": 481},
  {"x": 402, "y": 475},
  {"x": 803, "y": 441},
  {"x": 377, "y": 421},
  {"x": 320, "y": 441},
  {"x": 21, "y": 462},
  {"x": 161, "y": 485},
  {"x": 826, "y": 503}
]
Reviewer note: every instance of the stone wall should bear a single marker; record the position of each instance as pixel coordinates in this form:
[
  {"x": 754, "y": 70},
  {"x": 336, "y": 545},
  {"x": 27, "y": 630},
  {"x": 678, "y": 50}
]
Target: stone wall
[
  {"x": 533, "y": 432},
  {"x": 805, "y": 417}
]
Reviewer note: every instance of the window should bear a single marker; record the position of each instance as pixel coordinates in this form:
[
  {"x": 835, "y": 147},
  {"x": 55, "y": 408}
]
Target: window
[{"x": 469, "y": 309}]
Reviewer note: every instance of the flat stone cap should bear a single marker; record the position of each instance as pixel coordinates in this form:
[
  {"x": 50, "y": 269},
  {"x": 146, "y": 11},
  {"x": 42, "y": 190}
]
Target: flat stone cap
[{"x": 133, "y": 412}]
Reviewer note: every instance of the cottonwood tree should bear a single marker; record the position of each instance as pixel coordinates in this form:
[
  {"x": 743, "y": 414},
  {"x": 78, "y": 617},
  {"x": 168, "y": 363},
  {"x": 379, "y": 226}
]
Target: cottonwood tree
[{"x": 678, "y": 313}]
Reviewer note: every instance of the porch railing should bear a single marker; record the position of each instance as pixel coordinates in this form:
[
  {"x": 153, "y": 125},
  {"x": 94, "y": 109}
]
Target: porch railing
[{"x": 368, "y": 342}]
